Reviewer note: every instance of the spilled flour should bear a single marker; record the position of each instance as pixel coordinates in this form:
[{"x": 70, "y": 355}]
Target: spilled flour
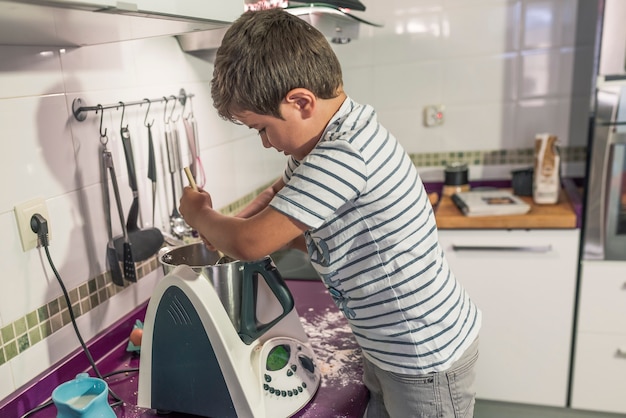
[{"x": 338, "y": 355}]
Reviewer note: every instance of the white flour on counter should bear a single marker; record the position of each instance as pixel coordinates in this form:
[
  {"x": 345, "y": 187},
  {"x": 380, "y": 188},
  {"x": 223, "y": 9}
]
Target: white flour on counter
[{"x": 338, "y": 355}]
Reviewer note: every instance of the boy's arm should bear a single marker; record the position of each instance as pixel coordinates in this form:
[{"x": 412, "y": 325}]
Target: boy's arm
[
  {"x": 245, "y": 239},
  {"x": 262, "y": 200}
]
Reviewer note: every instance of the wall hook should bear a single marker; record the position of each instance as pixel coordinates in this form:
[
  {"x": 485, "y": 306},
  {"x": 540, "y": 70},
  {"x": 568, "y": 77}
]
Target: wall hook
[
  {"x": 147, "y": 125},
  {"x": 104, "y": 139},
  {"x": 190, "y": 114},
  {"x": 122, "y": 119},
  {"x": 165, "y": 119},
  {"x": 101, "y": 109},
  {"x": 172, "y": 112}
]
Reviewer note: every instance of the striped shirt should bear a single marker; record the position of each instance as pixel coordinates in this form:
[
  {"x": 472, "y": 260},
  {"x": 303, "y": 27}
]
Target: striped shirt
[{"x": 373, "y": 241}]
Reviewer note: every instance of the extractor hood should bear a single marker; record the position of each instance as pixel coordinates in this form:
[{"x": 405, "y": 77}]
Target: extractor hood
[
  {"x": 334, "y": 18},
  {"x": 336, "y": 22}
]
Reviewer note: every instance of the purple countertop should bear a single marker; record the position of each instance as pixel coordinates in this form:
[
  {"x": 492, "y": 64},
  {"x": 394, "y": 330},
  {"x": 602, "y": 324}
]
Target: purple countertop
[{"x": 341, "y": 392}]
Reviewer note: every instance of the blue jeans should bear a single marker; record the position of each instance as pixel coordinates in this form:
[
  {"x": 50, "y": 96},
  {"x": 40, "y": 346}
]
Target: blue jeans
[{"x": 448, "y": 394}]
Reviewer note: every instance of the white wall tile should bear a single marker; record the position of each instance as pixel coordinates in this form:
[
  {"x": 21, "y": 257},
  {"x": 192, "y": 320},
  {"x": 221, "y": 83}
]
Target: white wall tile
[
  {"x": 548, "y": 23},
  {"x": 546, "y": 73},
  {"x": 543, "y": 115},
  {"x": 401, "y": 86},
  {"x": 481, "y": 28},
  {"x": 358, "y": 53},
  {"x": 358, "y": 83},
  {"x": 409, "y": 37},
  {"x": 407, "y": 126},
  {"x": 540, "y": 29},
  {"x": 29, "y": 71},
  {"x": 99, "y": 67},
  {"x": 158, "y": 61},
  {"x": 41, "y": 160},
  {"x": 219, "y": 166},
  {"x": 480, "y": 79},
  {"x": 7, "y": 386},
  {"x": 488, "y": 126}
]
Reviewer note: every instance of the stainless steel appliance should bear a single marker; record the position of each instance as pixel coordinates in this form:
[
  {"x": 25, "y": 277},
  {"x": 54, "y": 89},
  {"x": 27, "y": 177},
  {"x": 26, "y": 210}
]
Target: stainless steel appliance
[
  {"x": 604, "y": 235},
  {"x": 605, "y": 208}
]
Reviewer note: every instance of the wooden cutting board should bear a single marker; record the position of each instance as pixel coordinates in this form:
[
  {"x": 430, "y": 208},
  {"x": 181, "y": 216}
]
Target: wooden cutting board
[{"x": 557, "y": 216}]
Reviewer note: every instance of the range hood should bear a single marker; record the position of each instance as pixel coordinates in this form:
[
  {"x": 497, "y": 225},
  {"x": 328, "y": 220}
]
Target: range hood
[{"x": 334, "y": 18}]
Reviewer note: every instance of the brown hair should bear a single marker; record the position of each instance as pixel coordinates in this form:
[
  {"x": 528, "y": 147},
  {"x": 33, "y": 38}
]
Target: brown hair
[{"x": 263, "y": 56}]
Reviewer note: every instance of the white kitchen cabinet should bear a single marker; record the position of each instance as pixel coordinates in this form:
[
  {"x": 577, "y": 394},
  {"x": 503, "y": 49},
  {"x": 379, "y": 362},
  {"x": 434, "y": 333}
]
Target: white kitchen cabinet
[
  {"x": 67, "y": 23},
  {"x": 214, "y": 10},
  {"x": 524, "y": 282},
  {"x": 599, "y": 375}
]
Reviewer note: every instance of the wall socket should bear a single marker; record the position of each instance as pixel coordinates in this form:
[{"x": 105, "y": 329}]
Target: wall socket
[
  {"x": 23, "y": 213},
  {"x": 433, "y": 115}
]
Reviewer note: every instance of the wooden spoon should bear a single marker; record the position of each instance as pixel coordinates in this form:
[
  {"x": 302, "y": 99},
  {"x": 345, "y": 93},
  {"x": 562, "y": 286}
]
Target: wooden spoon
[{"x": 223, "y": 257}]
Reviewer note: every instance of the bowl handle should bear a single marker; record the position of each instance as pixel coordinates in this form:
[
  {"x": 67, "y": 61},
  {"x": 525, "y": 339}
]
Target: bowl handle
[{"x": 250, "y": 329}]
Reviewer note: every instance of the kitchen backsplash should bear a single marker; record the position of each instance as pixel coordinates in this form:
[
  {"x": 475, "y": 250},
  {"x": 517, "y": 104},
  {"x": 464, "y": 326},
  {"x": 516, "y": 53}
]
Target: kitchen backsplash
[{"x": 500, "y": 83}]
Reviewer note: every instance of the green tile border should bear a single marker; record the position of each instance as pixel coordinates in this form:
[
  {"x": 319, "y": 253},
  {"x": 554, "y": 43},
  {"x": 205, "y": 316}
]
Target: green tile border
[
  {"x": 496, "y": 157},
  {"x": 35, "y": 326},
  {"x": 238, "y": 205}
]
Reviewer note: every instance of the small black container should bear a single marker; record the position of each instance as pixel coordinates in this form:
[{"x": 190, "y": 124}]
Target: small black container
[
  {"x": 456, "y": 178},
  {"x": 522, "y": 181}
]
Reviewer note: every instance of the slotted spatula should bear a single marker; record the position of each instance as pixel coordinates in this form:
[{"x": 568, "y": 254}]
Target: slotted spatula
[{"x": 129, "y": 264}]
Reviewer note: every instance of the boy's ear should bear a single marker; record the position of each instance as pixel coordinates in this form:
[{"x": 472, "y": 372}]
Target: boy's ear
[{"x": 304, "y": 100}]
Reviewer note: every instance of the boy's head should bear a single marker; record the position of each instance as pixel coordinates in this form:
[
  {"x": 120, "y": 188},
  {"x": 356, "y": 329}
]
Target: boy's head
[{"x": 264, "y": 55}]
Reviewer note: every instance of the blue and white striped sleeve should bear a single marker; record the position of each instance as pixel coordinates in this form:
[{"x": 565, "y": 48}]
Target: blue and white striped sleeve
[{"x": 333, "y": 174}]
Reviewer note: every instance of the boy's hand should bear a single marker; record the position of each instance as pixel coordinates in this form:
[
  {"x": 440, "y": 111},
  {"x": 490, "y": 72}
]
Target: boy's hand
[
  {"x": 207, "y": 243},
  {"x": 192, "y": 204}
]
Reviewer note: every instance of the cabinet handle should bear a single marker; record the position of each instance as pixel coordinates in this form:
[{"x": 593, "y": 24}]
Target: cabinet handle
[
  {"x": 515, "y": 248},
  {"x": 620, "y": 353}
]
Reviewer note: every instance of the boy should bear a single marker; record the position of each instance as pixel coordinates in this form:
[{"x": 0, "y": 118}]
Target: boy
[{"x": 351, "y": 197}]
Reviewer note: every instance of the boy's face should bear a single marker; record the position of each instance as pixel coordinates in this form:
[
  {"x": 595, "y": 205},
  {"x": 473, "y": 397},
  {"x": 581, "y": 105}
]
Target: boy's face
[{"x": 295, "y": 134}]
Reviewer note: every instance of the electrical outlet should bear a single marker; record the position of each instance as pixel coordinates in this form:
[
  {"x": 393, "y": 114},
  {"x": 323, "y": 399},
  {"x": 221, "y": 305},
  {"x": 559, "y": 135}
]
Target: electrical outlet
[
  {"x": 433, "y": 115},
  {"x": 23, "y": 213}
]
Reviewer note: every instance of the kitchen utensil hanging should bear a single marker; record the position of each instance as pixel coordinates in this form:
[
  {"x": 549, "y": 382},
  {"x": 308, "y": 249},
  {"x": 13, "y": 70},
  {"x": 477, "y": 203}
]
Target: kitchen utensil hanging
[
  {"x": 121, "y": 242},
  {"x": 113, "y": 261},
  {"x": 152, "y": 173},
  {"x": 191, "y": 130},
  {"x": 80, "y": 111},
  {"x": 146, "y": 242},
  {"x": 178, "y": 226}
]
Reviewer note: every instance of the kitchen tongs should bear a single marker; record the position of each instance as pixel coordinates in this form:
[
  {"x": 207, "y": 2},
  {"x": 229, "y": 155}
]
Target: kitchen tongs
[{"x": 129, "y": 264}]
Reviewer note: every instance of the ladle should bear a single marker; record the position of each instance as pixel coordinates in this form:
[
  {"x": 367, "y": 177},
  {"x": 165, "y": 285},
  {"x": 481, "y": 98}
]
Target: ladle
[{"x": 177, "y": 224}]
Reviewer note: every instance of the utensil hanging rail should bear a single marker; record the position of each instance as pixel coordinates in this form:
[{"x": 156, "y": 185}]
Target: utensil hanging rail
[{"x": 80, "y": 112}]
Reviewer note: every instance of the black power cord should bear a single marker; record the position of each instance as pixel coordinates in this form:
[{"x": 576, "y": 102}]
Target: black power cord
[{"x": 39, "y": 226}]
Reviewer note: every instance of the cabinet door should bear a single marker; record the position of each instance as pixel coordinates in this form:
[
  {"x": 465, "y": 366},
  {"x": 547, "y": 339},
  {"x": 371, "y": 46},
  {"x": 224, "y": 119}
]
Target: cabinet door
[
  {"x": 215, "y": 10},
  {"x": 524, "y": 283},
  {"x": 602, "y": 297},
  {"x": 600, "y": 351}
]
